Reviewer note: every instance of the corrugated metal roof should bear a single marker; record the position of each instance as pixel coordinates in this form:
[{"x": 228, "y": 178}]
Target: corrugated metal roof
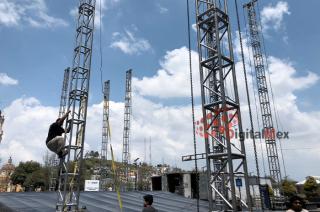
[{"x": 99, "y": 201}]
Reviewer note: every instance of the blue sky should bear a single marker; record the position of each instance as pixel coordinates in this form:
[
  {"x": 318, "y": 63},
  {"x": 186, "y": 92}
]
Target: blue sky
[{"x": 37, "y": 41}]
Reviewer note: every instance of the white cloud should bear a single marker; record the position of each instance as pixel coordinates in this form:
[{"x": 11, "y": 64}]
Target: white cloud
[
  {"x": 272, "y": 16},
  {"x": 6, "y": 80},
  {"x": 170, "y": 127},
  {"x": 286, "y": 80},
  {"x": 9, "y": 13},
  {"x": 162, "y": 9},
  {"x": 27, "y": 123},
  {"x": 32, "y": 12},
  {"x": 194, "y": 27},
  {"x": 173, "y": 78},
  {"x": 129, "y": 44}
]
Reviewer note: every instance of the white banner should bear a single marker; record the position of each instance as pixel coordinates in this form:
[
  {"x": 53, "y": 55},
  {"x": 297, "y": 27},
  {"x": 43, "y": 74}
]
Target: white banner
[{"x": 91, "y": 185}]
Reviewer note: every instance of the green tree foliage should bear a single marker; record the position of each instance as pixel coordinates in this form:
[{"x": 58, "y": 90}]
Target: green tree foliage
[
  {"x": 289, "y": 187},
  {"x": 35, "y": 179},
  {"x": 311, "y": 187},
  {"x": 31, "y": 175},
  {"x": 92, "y": 154},
  {"x": 144, "y": 172},
  {"x": 22, "y": 171}
]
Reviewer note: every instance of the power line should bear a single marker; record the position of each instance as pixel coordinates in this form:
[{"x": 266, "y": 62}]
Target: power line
[
  {"x": 249, "y": 102},
  {"x": 192, "y": 108}
]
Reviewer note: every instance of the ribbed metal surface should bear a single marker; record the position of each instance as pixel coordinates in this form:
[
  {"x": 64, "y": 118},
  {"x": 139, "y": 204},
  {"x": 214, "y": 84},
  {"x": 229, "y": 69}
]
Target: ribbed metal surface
[{"x": 99, "y": 201}]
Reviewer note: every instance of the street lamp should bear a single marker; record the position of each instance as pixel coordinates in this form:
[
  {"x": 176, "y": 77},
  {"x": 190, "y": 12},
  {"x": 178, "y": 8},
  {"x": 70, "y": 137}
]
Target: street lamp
[{"x": 136, "y": 173}]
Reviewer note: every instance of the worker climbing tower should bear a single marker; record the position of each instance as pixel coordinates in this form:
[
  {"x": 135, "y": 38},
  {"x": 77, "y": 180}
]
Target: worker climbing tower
[
  {"x": 1, "y": 125},
  {"x": 264, "y": 100},
  {"x": 71, "y": 165},
  {"x": 105, "y": 135},
  {"x": 225, "y": 154},
  {"x": 126, "y": 129},
  {"x": 62, "y": 110}
]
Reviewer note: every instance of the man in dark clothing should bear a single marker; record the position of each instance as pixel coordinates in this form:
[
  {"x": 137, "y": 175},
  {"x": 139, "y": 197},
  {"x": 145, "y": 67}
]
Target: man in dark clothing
[
  {"x": 148, "y": 200},
  {"x": 55, "y": 141}
]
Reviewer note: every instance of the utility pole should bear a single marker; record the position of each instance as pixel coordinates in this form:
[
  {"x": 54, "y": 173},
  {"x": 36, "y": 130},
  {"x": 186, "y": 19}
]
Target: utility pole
[
  {"x": 62, "y": 111},
  {"x": 264, "y": 100},
  {"x": 71, "y": 165},
  {"x": 105, "y": 135},
  {"x": 1, "y": 125},
  {"x": 126, "y": 129},
  {"x": 225, "y": 158}
]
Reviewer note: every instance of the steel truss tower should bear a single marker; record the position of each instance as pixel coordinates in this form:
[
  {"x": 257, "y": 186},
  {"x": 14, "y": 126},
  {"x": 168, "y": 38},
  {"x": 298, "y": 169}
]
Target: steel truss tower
[
  {"x": 71, "y": 165},
  {"x": 64, "y": 92},
  {"x": 62, "y": 110},
  {"x": 126, "y": 129},
  {"x": 105, "y": 135},
  {"x": 1, "y": 124},
  {"x": 268, "y": 129},
  {"x": 225, "y": 155}
]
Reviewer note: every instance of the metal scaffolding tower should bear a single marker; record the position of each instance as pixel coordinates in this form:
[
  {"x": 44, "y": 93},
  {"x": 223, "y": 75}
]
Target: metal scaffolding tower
[
  {"x": 1, "y": 125},
  {"x": 105, "y": 135},
  {"x": 62, "y": 110},
  {"x": 262, "y": 88},
  {"x": 126, "y": 129},
  {"x": 225, "y": 154},
  {"x": 71, "y": 165}
]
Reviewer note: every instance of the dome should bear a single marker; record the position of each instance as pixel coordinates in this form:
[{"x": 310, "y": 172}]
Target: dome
[{"x": 9, "y": 166}]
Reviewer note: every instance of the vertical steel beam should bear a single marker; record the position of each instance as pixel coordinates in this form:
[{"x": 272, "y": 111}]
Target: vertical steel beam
[
  {"x": 225, "y": 155},
  {"x": 71, "y": 165}
]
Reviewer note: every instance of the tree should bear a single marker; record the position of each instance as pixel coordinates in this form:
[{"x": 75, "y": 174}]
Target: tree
[
  {"x": 35, "y": 179},
  {"x": 310, "y": 187},
  {"x": 92, "y": 154},
  {"x": 22, "y": 171},
  {"x": 289, "y": 187}
]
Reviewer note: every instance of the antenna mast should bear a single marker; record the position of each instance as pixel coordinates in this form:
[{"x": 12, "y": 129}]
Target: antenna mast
[
  {"x": 264, "y": 100},
  {"x": 126, "y": 129},
  {"x": 105, "y": 135}
]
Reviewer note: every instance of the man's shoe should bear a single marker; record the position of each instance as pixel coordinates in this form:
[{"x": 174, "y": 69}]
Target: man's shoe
[{"x": 63, "y": 153}]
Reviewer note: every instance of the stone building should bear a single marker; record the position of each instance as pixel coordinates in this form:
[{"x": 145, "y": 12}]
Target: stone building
[{"x": 5, "y": 173}]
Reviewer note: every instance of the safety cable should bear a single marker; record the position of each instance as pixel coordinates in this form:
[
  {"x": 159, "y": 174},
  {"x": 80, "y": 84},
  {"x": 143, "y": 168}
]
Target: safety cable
[
  {"x": 271, "y": 89},
  {"x": 192, "y": 108},
  {"x": 248, "y": 99}
]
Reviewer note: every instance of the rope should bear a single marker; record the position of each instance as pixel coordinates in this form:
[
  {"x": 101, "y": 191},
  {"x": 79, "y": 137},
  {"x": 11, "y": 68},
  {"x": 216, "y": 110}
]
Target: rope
[
  {"x": 271, "y": 89},
  {"x": 248, "y": 99},
  {"x": 116, "y": 184},
  {"x": 192, "y": 106}
]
